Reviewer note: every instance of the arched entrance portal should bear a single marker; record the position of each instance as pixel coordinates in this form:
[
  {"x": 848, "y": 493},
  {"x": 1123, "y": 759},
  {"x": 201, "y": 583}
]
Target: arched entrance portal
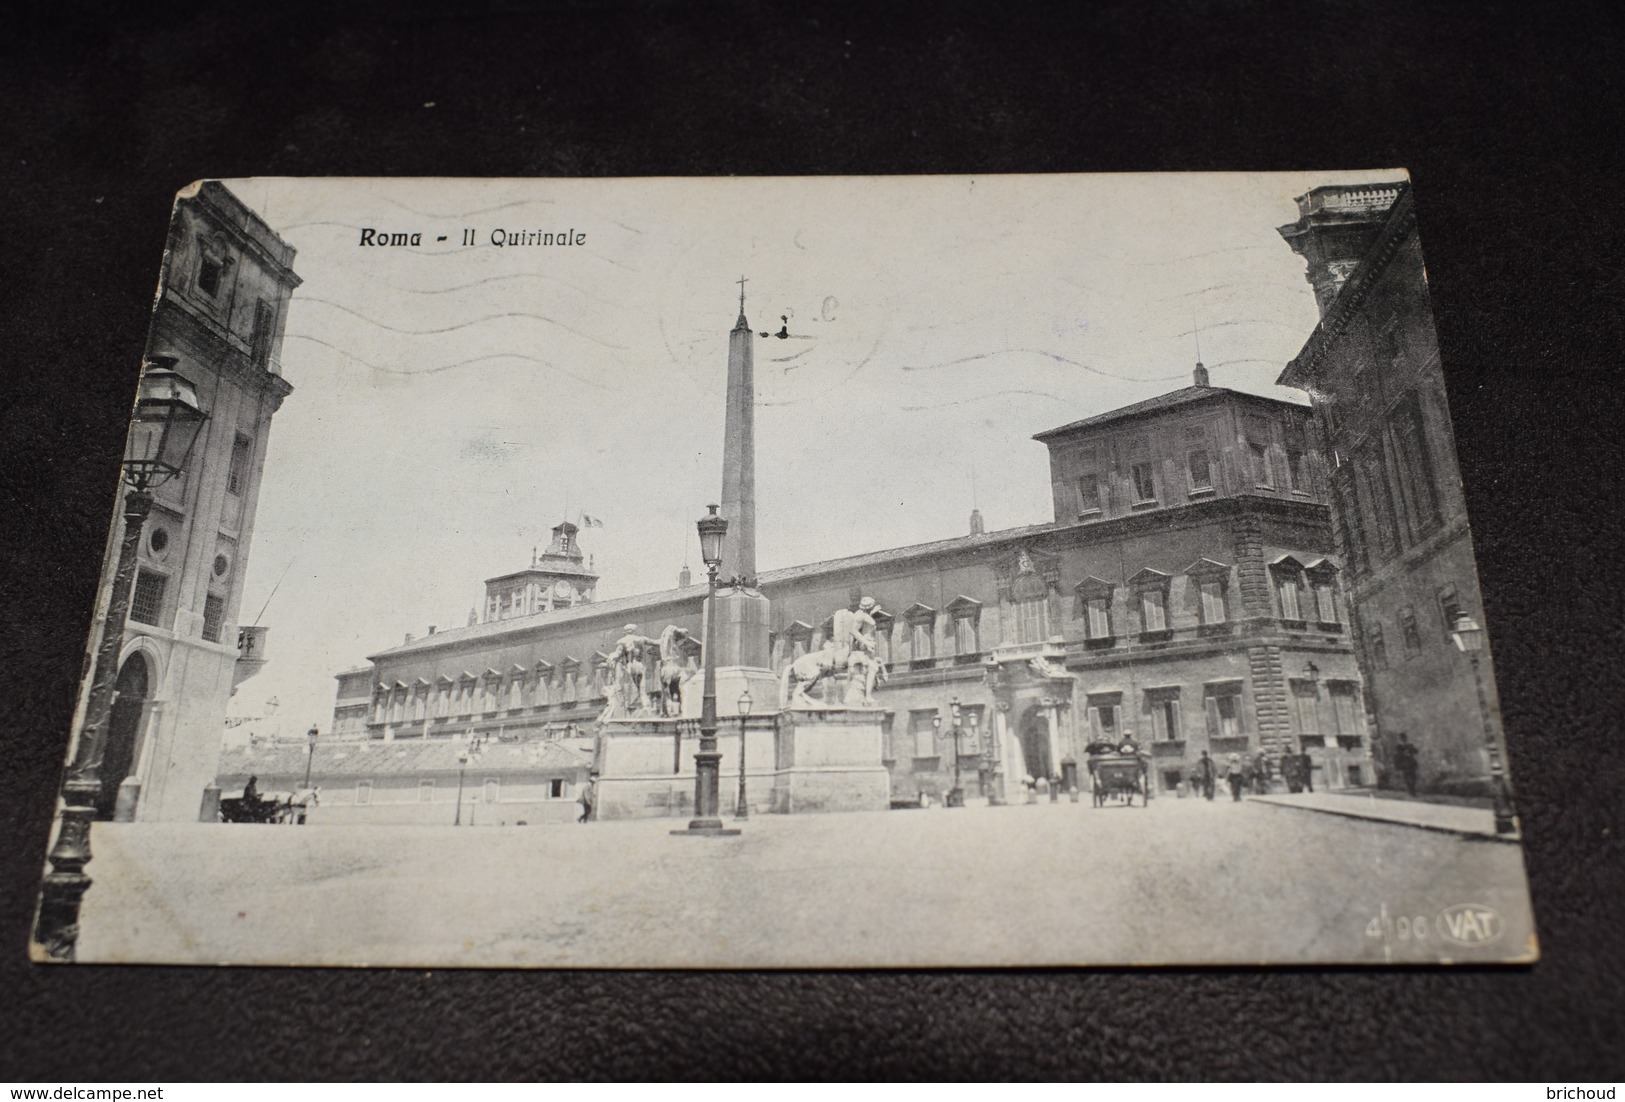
[
  {"x": 123, "y": 727},
  {"x": 1035, "y": 742}
]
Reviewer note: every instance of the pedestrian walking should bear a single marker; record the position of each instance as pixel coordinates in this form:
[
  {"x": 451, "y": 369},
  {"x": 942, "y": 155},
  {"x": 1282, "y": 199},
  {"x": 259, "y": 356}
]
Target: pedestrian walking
[
  {"x": 1235, "y": 775},
  {"x": 1205, "y": 773},
  {"x": 1306, "y": 767},
  {"x": 1291, "y": 772},
  {"x": 586, "y": 798}
]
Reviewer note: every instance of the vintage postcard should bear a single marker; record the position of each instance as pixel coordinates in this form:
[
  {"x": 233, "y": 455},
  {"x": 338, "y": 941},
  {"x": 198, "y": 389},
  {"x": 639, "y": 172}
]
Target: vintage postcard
[{"x": 789, "y": 573}]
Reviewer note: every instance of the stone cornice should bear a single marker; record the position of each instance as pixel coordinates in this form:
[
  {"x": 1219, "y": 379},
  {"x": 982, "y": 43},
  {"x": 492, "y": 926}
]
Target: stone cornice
[{"x": 1400, "y": 224}]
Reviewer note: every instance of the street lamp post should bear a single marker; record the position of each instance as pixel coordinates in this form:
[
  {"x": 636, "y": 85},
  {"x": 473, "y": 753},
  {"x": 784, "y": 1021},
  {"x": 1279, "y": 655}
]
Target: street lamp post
[
  {"x": 310, "y": 757},
  {"x": 742, "y": 809},
  {"x": 956, "y": 794},
  {"x": 1469, "y": 639},
  {"x": 462, "y": 769},
  {"x": 163, "y": 430},
  {"x": 707, "y": 763},
  {"x": 467, "y": 754}
]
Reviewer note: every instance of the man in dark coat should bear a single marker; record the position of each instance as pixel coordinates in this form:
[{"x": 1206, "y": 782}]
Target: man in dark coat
[
  {"x": 1204, "y": 775},
  {"x": 1405, "y": 762},
  {"x": 1306, "y": 766}
]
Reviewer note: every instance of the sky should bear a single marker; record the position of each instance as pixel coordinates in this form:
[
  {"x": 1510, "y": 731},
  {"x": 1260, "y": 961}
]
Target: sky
[{"x": 452, "y": 403}]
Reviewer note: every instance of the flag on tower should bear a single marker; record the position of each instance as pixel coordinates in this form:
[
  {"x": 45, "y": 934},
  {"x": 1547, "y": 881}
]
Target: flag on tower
[{"x": 591, "y": 522}]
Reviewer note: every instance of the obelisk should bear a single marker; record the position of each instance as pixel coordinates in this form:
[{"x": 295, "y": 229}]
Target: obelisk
[
  {"x": 739, "y": 452},
  {"x": 742, "y": 612}
]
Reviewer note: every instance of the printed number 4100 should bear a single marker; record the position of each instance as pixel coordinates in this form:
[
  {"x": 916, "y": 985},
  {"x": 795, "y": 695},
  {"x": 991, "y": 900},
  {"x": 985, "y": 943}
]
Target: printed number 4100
[{"x": 1405, "y": 928}]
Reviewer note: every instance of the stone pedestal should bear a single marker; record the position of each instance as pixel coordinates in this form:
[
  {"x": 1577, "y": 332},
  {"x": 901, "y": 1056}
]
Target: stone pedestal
[
  {"x": 646, "y": 765},
  {"x": 731, "y": 682},
  {"x": 829, "y": 759},
  {"x": 645, "y": 768},
  {"x": 743, "y": 628}
]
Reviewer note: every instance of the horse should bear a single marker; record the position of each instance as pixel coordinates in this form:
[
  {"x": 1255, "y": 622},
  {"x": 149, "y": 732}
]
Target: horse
[
  {"x": 672, "y": 669},
  {"x": 803, "y": 674}
]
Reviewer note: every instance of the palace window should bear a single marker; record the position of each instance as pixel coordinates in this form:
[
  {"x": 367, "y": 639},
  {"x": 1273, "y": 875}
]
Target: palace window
[
  {"x": 237, "y": 474},
  {"x": 214, "y": 616},
  {"x": 1103, "y": 709},
  {"x": 147, "y": 600},
  {"x": 1163, "y": 705},
  {"x": 1306, "y": 704},
  {"x": 1376, "y": 492},
  {"x": 1259, "y": 454},
  {"x": 260, "y": 343},
  {"x": 1225, "y": 718},
  {"x": 1416, "y": 466},
  {"x": 922, "y": 622},
  {"x": 555, "y": 788},
  {"x": 1288, "y": 575},
  {"x": 1297, "y": 471},
  {"x": 493, "y": 790},
  {"x": 1145, "y": 487},
  {"x": 920, "y": 642},
  {"x": 967, "y": 620},
  {"x": 1201, "y": 471},
  {"x": 1095, "y": 608},
  {"x": 425, "y": 792},
  {"x": 883, "y": 629},
  {"x": 208, "y": 274},
  {"x": 922, "y": 732},
  {"x": 1345, "y": 708},
  {"x": 1379, "y": 649},
  {"x": 1151, "y": 586},
  {"x": 1089, "y": 494},
  {"x": 363, "y": 793},
  {"x": 1322, "y": 579},
  {"x": 1407, "y": 627},
  {"x": 1154, "y": 610},
  {"x": 1212, "y": 581}
]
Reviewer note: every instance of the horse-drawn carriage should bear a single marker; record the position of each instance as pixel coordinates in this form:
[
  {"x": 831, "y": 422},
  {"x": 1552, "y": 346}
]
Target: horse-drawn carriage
[
  {"x": 1118, "y": 774},
  {"x": 253, "y": 806}
]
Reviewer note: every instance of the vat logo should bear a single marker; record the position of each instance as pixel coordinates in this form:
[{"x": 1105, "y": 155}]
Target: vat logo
[{"x": 1470, "y": 924}]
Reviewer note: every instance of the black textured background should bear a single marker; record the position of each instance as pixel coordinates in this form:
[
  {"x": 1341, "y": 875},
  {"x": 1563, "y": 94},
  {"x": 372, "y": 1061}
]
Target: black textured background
[{"x": 1508, "y": 118}]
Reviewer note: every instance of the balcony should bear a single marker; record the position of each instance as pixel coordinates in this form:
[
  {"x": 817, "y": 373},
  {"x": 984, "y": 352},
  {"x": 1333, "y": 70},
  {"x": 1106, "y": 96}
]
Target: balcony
[{"x": 250, "y": 654}]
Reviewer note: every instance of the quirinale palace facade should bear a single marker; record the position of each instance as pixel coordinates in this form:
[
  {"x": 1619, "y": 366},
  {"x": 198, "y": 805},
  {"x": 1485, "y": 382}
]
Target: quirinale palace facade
[{"x": 1186, "y": 595}]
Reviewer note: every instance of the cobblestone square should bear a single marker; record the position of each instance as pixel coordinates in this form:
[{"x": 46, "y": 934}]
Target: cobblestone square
[{"x": 1180, "y": 881}]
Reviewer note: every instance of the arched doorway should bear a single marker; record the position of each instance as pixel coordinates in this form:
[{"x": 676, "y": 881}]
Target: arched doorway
[
  {"x": 123, "y": 728},
  {"x": 1035, "y": 742}
]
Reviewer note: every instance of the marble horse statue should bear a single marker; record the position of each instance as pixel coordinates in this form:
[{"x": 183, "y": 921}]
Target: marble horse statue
[{"x": 671, "y": 671}]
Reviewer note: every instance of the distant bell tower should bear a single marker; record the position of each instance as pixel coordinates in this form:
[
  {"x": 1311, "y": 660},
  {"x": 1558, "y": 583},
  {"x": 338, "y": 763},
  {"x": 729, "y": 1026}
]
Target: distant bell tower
[{"x": 1336, "y": 226}]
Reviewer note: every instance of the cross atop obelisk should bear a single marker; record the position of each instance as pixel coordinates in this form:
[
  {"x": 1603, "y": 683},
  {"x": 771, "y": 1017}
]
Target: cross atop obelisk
[{"x": 739, "y": 452}]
